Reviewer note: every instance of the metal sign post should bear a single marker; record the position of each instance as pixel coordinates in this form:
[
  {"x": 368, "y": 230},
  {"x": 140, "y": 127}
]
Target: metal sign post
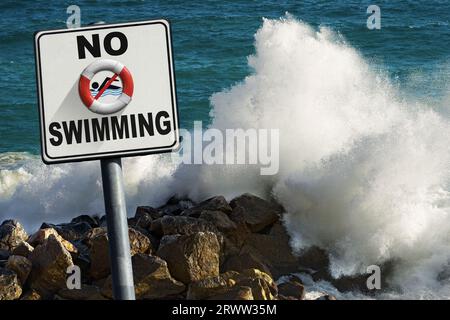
[{"x": 116, "y": 219}]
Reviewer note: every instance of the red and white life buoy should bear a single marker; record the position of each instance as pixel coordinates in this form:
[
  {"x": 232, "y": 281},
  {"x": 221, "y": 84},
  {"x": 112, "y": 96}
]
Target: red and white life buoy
[{"x": 119, "y": 70}]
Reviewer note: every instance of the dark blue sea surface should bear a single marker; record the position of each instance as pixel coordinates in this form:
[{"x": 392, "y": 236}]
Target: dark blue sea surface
[{"x": 212, "y": 40}]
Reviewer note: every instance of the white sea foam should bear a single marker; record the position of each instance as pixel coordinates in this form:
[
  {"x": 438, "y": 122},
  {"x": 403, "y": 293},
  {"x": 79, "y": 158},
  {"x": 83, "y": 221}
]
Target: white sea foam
[{"x": 363, "y": 173}]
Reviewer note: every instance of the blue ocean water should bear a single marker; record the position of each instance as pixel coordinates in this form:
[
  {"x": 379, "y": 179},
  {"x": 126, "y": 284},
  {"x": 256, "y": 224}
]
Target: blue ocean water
[{"x": 212, "y": 40}]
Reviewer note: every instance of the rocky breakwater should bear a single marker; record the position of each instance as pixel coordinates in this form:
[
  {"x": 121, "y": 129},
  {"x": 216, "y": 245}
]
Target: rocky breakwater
[{"x": 182, "y": 250}]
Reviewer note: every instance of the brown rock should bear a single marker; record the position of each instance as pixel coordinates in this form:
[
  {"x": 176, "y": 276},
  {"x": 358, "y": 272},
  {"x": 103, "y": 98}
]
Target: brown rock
[
  {"x": 234, "y": 293},
  {"x": 11, "y": 235},
  {"x": 21, "y": 266},
  {"x": 10, "y": 288},
  {"x": 256, "y": 212},
  {"x": 152, "y": 279},
  {"x": 142, "y": 218},
  {"x": 24, "y": 249},
  {"x": 212, "y": 286},
  {"x": 183, "y": 225},
  {"x": 218, "y": 203},
  {"x": 175, "y": 206},
  {"x": 139, "y": 243},
  {"x": 31, "y": 295},
  {"x": 148, "y": 212},
  {"x": 50, "y": 262},
  {"x": 245, "y": 261},
  {"x": 292, "y": 289},
  {"x": 97, "y": 241},
  {"x": 92, "y": 221},
  {"x": 72, "y": 231},
  {"x": 273, "y": 249},
  {"x": 42, "y": 234},
  {"x": 87, "y": 292},
  {"x": 191, "y": 257},
  {"x": 261, "y": 285}
]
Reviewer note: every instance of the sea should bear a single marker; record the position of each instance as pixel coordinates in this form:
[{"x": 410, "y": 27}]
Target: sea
[{"x": 363, "y": 117}]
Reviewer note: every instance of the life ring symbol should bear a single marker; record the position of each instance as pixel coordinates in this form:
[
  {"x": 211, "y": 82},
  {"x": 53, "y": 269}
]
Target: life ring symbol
[{"x": 119, "y": 70}]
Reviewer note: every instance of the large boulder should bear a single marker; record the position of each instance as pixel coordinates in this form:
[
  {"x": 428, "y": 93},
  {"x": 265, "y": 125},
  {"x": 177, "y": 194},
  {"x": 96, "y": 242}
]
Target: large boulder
[
  {"x": 261, "y": 285},
  {"x": 218, "y": 203},
  {"x": 152, "y": 279},
  {"x": 175, "y": 206},
  {"x": 240, "y": 262},
  {"x": 24, "y": 249},
  {"x": 10, "y": 288},
  {"x": 169, "y": 225},
  {"x": 234, "y": 293},
  {"x": 292, "y": 289},
  {"x": 50, "y": 262},
  {"x": 97, "y": 242},
  {"x": 212, "y": 286},
  {"x": 191, "y": 257},
  {"x": 41, "y": 235},
  {"x": 72, "y": 231},
  {"x": 21, "y": 266},
  {"x": 273, "y": 249},
  {"x": 86, "y": 292},
  {"x": 92, "y": 221},
  {"x": 11, "y": 235},
  {"x": 257, "y": 213}
]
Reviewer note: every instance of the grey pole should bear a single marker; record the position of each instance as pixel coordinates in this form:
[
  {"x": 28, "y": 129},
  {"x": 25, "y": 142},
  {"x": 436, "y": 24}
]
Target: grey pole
[{"x": 116, "y": 219}]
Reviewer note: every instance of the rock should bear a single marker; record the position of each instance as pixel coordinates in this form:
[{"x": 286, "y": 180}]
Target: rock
[
  {"x": 21, "y": 266},
  {"x": 10, "y": 288},
  {"x": 220, "y": 220},
  {"x": 218, "y": 203},
  {"x": 261, "y": 285},
  {"x": 31, "y": 295},
  {"x": 175, "y": 206},
  {"x": 234, "y": 293},
  {"x": 24, "y": 249},
  {"x": 191, "y": 257},
  {"x": 87, "y": 292},
  {"x": 73, "y": 231},
  {"x": 152, "y": 279},
  {"x": 11, "y": 235},
  {"x": 43, "y": 234},
  {"x": 273, "y": 249},
  {"x": 169, "y": 225},
  {"x": 292, "y": 289},
  {"x": 326, "y": 297},
  {"x": 4, "y": 254},
  {"x": 93, "y": 223},
  {"x": 245, "y": 261},
  {"x": 97, "y": 242},
  {"x": 139, "y": 243},
  {"x": 141, "y": 219},
  {"x": 147, "y": 211},
  {"x": 257, "y": 213},
  {"x": 50, "y": 262},
  {"x": 233, "y": 235},
  {"x": 314, "y": 258},
  {"x": 212, "y": 286},
  {"x": 99, "y": 254}
]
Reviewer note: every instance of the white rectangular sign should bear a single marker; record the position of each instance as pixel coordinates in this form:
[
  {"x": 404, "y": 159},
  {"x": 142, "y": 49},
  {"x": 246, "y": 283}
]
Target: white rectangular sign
[{"x": 106, "y": 91}]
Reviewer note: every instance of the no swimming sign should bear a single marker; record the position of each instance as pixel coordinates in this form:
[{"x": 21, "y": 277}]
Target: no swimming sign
[{"x": 106, "y": 90}]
